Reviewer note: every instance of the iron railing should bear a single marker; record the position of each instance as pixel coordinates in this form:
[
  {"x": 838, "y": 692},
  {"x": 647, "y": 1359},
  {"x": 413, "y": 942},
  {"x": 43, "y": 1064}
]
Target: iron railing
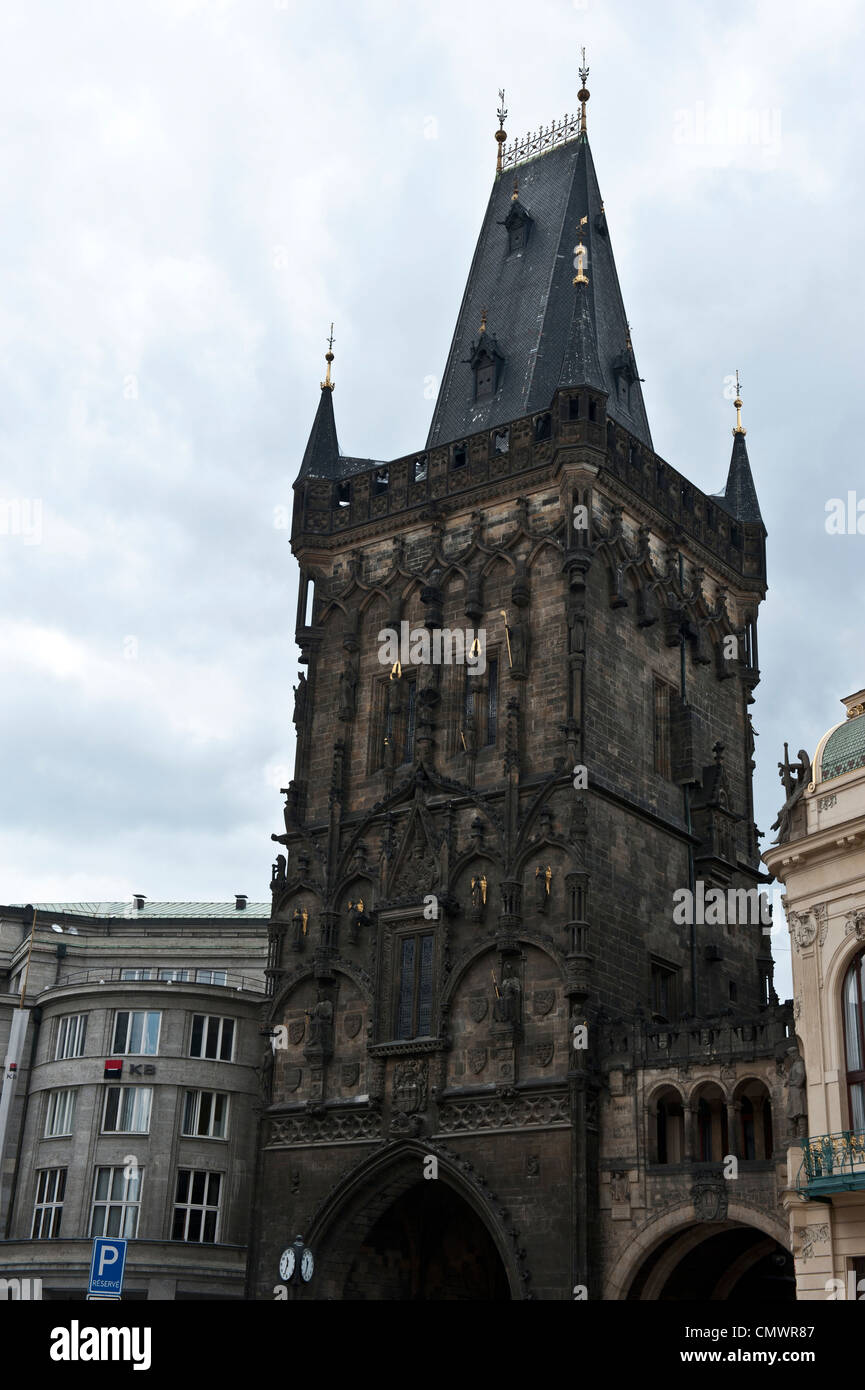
[
  {"x": 834, "y": 1162},
  {"x": 122, "y": 974}
]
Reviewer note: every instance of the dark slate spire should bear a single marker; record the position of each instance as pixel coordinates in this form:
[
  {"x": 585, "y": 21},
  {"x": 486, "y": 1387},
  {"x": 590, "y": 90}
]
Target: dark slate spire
[
  {"x": 529, "y": 295},
  {"x": 740, "y": 495},
  {"x": 321, "y": 457},
  {"x": 580, "y": 363}
]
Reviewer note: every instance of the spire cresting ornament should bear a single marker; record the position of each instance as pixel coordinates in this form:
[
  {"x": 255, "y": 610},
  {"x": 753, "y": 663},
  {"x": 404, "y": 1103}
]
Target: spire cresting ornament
[
  {"x": 583, "y": 94},
  {"x": 327, "y": 384},
  {"x": 739, "y": 428},
  {"x": 501, "y": 133}
]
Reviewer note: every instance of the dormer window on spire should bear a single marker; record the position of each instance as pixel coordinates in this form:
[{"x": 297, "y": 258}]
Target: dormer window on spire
[
  {"x": 517, "y": 225},
  {"x": 486, "y": 362}
]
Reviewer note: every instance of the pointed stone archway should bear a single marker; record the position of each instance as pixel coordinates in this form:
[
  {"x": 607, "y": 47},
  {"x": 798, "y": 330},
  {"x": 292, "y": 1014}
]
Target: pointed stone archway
[{"x": 388, "y": 1233}]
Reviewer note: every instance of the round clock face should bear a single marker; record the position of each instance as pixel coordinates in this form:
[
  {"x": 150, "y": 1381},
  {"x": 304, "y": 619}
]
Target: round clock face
[
  {"x": 307, "y": 1265},
  {"x": 286, "y": 1264}
]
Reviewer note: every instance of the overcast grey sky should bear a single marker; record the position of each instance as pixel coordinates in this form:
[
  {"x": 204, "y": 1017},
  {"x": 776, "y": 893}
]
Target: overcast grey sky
[{"x": 193, "y": 190}]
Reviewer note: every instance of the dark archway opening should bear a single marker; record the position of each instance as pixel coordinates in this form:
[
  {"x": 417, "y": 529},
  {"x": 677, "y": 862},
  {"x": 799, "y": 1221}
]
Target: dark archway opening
[
  {"x": 734, "y": 1265},
  {"x": 428, "y": 1245}
]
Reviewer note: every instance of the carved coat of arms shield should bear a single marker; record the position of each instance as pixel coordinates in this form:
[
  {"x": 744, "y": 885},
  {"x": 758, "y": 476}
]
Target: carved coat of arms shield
[
  {"x": 477, "y": 1059},
  {"x": 352, "y": 1024},
  {"x": 544, "y": 1053},
  {"x": 478, "y": 1006},
  {"x": 544, "y": 1001},
  {"x": 292, "y": 1078},
  {"x": 296, "y": 1030},
  {"x": 350, "y": 1073}
]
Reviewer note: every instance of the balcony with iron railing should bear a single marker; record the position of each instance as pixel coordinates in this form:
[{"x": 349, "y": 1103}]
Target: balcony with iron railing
[{"x": 832, "y": 1163}]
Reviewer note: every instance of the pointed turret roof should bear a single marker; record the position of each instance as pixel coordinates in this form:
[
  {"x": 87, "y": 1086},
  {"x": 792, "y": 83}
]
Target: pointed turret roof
[
  {"x": 580, "y": 363},
  {"x": 740, "y": 494},
  {"x": 551, "y": 332},
  {"x": 321, "y": 456}
]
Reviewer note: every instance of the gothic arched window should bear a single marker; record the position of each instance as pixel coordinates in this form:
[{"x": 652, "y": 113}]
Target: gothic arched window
[{"x": 854, "y": 1040}]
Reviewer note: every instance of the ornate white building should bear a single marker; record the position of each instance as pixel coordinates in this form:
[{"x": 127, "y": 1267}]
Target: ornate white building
[{"x": 820, "y": 858}]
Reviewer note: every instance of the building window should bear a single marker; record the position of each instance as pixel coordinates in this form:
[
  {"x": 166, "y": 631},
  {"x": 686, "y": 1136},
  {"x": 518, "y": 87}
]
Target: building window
[
  {"x": 60, "y": 1115},
  {"x": 205, "y": 1114},
  {"x": 420, "y": 469},
  {"x": 196, "y": 1206},
  {"x": 854, "y": 1041},
  {"x": 199, "y": 977},
  {"x": 71, "y": 1033},
  {"x": 127, "y": 1110},
  {"x": 414, "y": 1007},
  {"x": 593, "y": 410},
  {"x": 343, "y": 496},
  {"x": 662, "y": 704},
  {"x": 212, "y": 1037},
  {"x": 137, "y": 973},
  {"x": 48, "y": 1208},
  {"x": 460, "y": 456},
  {"x": 543, "y": 427},
  {"x": 392, "y": 721},
  {"x": 755, "y": 1122},
  {"x": 664, "y": 992},
  {"x": 502, "y": 441},
  {"x": 573, "y": 407},
  {"x": 116, "y": 1203},
  {"x": 711, "y": 1126},
  {"x": 380, "y": 483},
  {"x": 669, "y": 1128},
  {"x": 136, "y": 1034}
]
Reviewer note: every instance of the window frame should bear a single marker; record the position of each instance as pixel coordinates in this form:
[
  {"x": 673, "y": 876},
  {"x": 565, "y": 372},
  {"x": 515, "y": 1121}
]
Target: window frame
[
  {"x": 52, "y": 1206},
  {"x": 188, "y": 1206},
  {"x": 417, "y": 935},
  {"x": 125, "y": 1050},
  {"x": 136, "y": 1104},
  {"x": 68, "y": 1115},
  {"x": 222, "y": 1019},
  {"x": 855, "y": 1076},
  {"x": 197, "y": 1094},
  {"x": 62, "y": 1032},
  {"x": 125, "y": 1203}
]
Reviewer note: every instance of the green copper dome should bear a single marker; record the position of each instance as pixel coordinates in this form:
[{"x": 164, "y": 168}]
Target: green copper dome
[{"x": 844, "y": 749}]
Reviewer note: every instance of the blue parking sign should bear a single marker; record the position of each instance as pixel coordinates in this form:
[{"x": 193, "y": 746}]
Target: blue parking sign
[{"x": 107, "y": 1266}]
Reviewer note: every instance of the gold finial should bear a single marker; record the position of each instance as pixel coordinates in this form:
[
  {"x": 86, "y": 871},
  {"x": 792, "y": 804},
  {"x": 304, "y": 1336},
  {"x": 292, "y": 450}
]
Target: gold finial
[
  {"x": 501, "y": 133},
  {"x": 327, "y": 384},
  {"x": 580, "y": 251},
  {"x": 738, "y": 404},
  {"x": 483, "y": 327},
  {"x": 516, "y": 193},
  {"x": 583, "y": 93}
]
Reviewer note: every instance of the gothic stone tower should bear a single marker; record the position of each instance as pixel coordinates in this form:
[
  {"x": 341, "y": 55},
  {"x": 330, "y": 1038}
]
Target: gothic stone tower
[{"x": 455, "y": 897}]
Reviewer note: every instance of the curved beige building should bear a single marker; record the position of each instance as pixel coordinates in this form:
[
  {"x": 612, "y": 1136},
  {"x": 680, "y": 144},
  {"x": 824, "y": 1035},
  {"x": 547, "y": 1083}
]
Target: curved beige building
[{"x": 820, "y": 858}]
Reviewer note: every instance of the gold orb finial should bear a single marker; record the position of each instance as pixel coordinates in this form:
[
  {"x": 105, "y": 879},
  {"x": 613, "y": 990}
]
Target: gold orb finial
[
  {"x": 327, "y": 384},
  {"x": 583, "y": 94},
  {"x": 516, "y": 193},
  {"x": 739, "y": 429},
  {"x": 483, "y": 327}
]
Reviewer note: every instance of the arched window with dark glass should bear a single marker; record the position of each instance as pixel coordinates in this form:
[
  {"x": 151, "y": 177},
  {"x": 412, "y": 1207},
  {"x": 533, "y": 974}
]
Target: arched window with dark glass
[{"x": 854, "y": 1040}]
